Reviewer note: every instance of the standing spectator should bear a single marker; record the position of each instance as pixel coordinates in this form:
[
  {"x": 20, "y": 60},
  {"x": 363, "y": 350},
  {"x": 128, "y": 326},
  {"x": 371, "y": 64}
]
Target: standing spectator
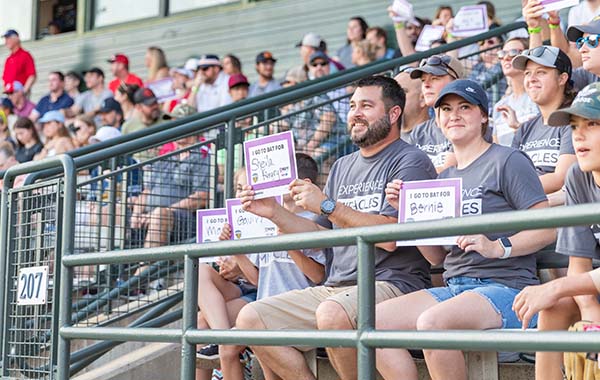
[
  {"x": 89, "y": 101},
  {"x": 378, "y": 37},
  {"x": 156, "y": 63},
  {"x": 124, "y": 96},
  {"x": 210, "y": 88},
  {"x": 57, "y": 99},
  {"x": 265, "y": 67},
  {"x": 119, "y": 66},
  {"x": 84, "y": 128},
  {"x": 58, "y": 139},
  {"x": 355, "y": 32},
  {"x": 28, "y": 140},
  {"x": 488, "y": 69},
  {"x": 231, "y": 64},
  {"x": 363, "y": 52},
  {"x": 110, "y": 113},
  {"x": 16, "y": 93},
  {"x": 148, "y": 112},
  {"x": 72, "y": 82},
  {"x": 19, "y": 65}
]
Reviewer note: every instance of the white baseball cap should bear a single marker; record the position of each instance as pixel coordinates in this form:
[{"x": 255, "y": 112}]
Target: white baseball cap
[{"x": 105, "y": 133}]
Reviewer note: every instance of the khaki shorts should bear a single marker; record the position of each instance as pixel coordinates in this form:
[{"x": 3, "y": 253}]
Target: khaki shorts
[{"x": 296, "y": 309}]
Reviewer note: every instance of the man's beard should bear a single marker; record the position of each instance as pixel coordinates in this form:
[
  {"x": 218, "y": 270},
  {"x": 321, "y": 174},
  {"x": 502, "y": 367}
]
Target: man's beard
[{"x": 375, "y": 132}]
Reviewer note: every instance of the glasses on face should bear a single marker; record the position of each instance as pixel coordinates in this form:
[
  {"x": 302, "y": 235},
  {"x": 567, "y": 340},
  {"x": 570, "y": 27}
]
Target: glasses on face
[
  {"x": 591, "y": 41},
  {"x": 489, "y": 41},
  {"x": 439, "y": 60},
  {"x": 508, "y": 53},
  {"x": 319, "y": 64},
  {"x": 205, "y": 68}
]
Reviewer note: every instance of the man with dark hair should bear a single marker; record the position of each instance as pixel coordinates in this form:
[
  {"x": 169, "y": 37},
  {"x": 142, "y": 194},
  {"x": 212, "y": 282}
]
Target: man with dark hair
[
  {"x": 90, "y": 101},
  {"x": 378, "y": 37},
  {"x": 353, "y": 197},
  {"x": 19, "y": 65},
  {"x": 110, "y": 113},
  {"x": 119, "y": 66},
  {"x": 57, "y": 99},
  {"x": 147, "y": 109},
  {"x": 265, "y": 67}
]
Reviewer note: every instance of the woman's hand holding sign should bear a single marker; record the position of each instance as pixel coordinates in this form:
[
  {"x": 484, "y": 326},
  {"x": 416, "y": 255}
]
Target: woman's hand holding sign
[
  {"x": 480, "y": 244},
  {"x": 392, "y": 193}
]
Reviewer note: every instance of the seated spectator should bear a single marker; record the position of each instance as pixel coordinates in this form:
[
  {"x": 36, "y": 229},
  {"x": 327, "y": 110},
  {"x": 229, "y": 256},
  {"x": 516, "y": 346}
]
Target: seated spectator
[
  {"x": 72, "y": 82},
  {"x": 4, "y": 131},
  {"x": 443, "y": 14},
  {"x": 119, "y": 66},
  {"x": 180, "y": 76},
  {"x": 7, "y": 156},
  {"x": 435, "y": 73},
  {"x": 16, "y": 93},
  {"x": 7, "y": 107},
  {"x": 310, "y": 44},
  {"x": 516, "y": 107},
  {"x": 89, "y": 102},
  {"x": 156, "y": 63},
  {"x": 355, "y": 32},
  {"x": 547, "y": 74},
  {"x": 265, "y": 67},
  {"x": 84, "y": 128},
  {"x": 273, "y": 273},
  {"x": 180, "y": 111},
  {"x": 585, "y": 41},
  {"x": 415, "y": 110},
  {"x": 238, "y": 87},
  {"x": 27, "y": 139},
  {"x": 363, "y": 52},
  {"x": 56, "y": 100},
  {"x": 148, "y": 112},
  {"x": 489, "y": 70},
  {"x": 58, "y": 139},
  {"x": 125, "y": 96},
  {"x": 231, "y": 64},
  {"x": 569, "y": 299},
  {"x": 210, "y": 88},
  {"x": 483, "y": 273},
  {"x": 110, "y": 113},
  {"x": 174, "y": 189},
  {"x": 378, "y": 37}
]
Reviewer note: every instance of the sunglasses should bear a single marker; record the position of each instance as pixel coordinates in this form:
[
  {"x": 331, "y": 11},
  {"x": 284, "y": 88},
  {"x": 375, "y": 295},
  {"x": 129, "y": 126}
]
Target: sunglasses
[
  {"x": 509, "y": 53},
  {"x": 319, "y": 64},
  {"x": 439, "y": 60},
  {"x": 560, "y": 63},
  {"x": 205, "y": 68},
  {"x": 590, "y": 41},
  {"x": 488, "y": 42}
]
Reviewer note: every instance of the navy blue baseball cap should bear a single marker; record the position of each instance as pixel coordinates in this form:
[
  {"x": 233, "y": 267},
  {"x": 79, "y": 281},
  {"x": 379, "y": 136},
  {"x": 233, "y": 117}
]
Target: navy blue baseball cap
[
  {"x": 10, "y": 33},
  {"x": 110, "y": 104},
  {"x": 467, "y": 89}
]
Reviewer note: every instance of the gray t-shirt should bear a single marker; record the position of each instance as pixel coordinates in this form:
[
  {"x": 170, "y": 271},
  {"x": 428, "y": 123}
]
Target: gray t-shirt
[
  {"x": 255, "y": 89},
  {"x": 278, "y": 273},
  {"x": 501, "y": 179},
  {"x": 543, "y": 144},
  {"x": 580, "y": 241},
  {"x": 430, "y": 139},
  {"x": 359, "y": 182}
]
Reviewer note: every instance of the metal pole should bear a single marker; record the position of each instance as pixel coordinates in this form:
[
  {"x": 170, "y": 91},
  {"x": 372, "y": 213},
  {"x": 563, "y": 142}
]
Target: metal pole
[
  {"x": 366, "y": 308},
  {"x": 190, "y": 315},
  {"x": 230, "y": 160},
  {"x": 112, "y": 207}
]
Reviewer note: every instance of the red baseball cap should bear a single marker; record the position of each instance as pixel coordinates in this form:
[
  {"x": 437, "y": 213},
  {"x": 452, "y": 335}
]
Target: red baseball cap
[
  {"x": 238, "y": 79},
  {"x": 122, "y": 58}
]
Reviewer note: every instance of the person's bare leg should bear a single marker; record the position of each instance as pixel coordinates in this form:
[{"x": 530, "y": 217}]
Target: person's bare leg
[
  {"x": 286, "y": 362},
  {"x": 400, "y": 313},
  {"x": 160, "y": 225},
  {"x": 559, "y": 317},
  {"x": 213, "y": 294},
  {"x": 231, "y": 368},
  {"x": 450, "y": 315}
]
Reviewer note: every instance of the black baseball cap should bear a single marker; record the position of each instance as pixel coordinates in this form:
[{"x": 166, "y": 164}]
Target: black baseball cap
[
  {"x": 265, "y": 56},
  {"x": 145, "y": 96},
  {"x": 10, "y": 33},
  {"x": 109, "y": 105}
]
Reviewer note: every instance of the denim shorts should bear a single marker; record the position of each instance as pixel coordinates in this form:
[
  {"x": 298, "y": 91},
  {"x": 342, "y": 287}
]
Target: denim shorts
[
  {"x": 500, "y": 296},
  {"x": 248, "y": 291}
]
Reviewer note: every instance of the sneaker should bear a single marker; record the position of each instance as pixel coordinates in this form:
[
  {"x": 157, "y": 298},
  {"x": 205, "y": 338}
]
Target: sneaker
[
  {"x": 210, "y": 352},
  {"x": 157, "y": 285}
]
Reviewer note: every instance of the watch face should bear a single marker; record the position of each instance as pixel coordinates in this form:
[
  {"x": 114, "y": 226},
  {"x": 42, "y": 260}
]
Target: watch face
[
  {"x": 327, "y": 206},
  {"x": 505, "y": 242}
]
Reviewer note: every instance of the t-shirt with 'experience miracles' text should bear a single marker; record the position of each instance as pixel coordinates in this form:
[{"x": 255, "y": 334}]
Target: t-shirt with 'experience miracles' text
[{"x": 359, "y": 182}]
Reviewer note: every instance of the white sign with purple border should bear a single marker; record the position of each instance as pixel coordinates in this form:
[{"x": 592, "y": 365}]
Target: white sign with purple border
[
  {"x": 270, "y": 164},
  {"x": 209, "y": 224},
  {"x": 470, "y": 20},
  {"x": 554, "y": 5},
  {"x": 245, "y": 225},
  {"x": 430, "y": 200},
  {"x": 429, "y": 34}
]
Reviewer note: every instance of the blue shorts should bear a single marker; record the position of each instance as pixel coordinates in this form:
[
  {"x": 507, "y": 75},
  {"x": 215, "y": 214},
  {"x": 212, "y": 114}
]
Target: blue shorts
[
  {"x": 248, "y": 291},
  {"x": 500, "y": 296}
]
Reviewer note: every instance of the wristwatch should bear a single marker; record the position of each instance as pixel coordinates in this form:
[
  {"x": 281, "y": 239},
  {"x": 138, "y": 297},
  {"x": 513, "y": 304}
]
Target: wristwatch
[
  {"x": 507, "y": 246},
  {"x": 327, "y": 207}
]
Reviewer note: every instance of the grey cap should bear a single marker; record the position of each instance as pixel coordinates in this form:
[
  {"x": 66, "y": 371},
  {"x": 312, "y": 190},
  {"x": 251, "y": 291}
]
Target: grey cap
[
  {"x": 548, "y": 56},
  {"x": 439, "y": 65},
  {"x": 586, "y": 104}
]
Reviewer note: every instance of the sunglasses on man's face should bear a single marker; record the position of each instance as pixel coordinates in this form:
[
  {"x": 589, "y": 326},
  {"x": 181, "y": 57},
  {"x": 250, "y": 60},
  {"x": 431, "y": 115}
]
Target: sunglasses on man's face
[
  {"x": 591, "y": 41},
  {"x": 508, "y": 53},
  {"x": 205, "y": 68},
  {"x": 319, "y": 64}
]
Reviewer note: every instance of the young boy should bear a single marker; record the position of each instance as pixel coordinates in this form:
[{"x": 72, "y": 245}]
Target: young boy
[{"x": 581, "y": 243}]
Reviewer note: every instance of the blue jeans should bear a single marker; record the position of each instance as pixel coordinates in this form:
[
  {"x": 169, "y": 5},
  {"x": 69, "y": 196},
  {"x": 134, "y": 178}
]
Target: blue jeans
[{"x": 499, "y": 296}]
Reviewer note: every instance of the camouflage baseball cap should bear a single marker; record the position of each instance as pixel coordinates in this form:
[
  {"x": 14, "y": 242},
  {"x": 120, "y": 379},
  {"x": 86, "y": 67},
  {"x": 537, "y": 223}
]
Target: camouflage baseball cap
[{"x": 586, "y": 105}]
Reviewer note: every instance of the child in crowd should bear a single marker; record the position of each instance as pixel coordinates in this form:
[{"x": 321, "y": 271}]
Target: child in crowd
[
  {"x": 272, "y": 273},
  {"x": 547, "y": 73},
  {"x": 483, "y": 273},
  {"x": 569, "y": 299}
]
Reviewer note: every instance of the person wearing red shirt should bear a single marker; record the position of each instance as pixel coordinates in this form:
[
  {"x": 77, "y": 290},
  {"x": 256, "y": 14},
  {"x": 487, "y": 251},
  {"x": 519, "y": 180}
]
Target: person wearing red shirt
[
  {"x": 119, "y": 65},
  {"x": 19, "y": 65}
]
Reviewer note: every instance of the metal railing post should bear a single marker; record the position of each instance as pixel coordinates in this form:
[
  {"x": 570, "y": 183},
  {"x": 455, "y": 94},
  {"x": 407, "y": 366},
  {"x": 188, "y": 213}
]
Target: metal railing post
[
  {"x": 230, "y": 160},
  {"x": 366, "y": 308},
  {"x": 112, "y": 207},
  {"x": 190, "y": 315}
]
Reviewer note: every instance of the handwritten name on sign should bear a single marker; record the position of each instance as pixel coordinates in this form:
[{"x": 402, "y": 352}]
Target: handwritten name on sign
[
  {"x": 270, "y": 164},
  {"x": 209, "y": 224},
  {"x": 470, "y": 20},
  {"x": 245, "y": 225},
  {"x": 430, "y": 200}
]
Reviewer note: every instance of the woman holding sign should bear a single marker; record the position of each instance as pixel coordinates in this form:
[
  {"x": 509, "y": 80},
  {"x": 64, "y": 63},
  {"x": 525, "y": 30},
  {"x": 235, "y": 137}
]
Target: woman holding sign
[{"x": 483, "y": 273}]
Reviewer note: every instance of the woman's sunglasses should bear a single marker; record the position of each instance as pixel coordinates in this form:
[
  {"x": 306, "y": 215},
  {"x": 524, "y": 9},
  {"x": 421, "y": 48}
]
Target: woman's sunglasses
[
  {"x": 508, "y": 53},
  {"x": 591, "y": 41}
]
